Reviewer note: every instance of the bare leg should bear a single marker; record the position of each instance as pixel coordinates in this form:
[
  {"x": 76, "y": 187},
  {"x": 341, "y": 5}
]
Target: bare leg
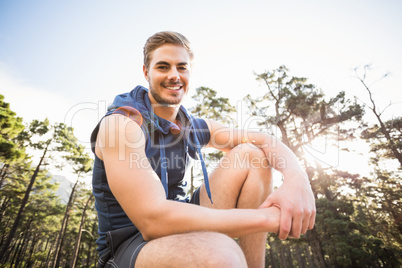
[
  {"x": 198, "y": 249},
  {"x": 242, "y": 180}
]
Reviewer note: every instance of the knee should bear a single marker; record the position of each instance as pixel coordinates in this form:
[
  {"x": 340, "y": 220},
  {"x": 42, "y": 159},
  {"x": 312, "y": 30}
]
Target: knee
[
  {"x": 259, "y": 178},
  {"x": 225, "y": 252},
  {"x": 249, "y": 149},
  {"x": 252, "y": 155}
]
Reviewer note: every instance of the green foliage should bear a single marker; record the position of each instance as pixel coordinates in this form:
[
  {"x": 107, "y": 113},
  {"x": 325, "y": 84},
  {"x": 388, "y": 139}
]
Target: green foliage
[
  {"x": 379, "y": 143},
  {"x": 358, "y": 218},
  {"x": 300, "y": 110},
  {"x": 349, "y": 210},
  {"x": 10, "y": 127},
  {"x": 29, "y": 206},
  {"x": 342, "y": 239},
  {"x": 210, "y": 106}
]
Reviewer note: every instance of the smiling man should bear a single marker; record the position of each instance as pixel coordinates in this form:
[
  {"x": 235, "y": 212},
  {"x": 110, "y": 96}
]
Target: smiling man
[
  {"x": 143, "y": 147},
  {"x": 169, "y": 60}
]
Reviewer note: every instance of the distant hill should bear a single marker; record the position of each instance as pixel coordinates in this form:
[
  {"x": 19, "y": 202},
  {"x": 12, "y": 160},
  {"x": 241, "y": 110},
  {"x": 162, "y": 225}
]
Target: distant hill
[{"x": 65, "y": 187}]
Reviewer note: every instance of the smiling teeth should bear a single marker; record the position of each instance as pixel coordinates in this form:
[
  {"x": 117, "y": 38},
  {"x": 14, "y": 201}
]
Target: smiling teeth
[{"x": 173, "y": 88}]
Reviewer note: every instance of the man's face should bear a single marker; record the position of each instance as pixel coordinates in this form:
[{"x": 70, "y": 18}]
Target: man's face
[{"x": 168, "y": 75}]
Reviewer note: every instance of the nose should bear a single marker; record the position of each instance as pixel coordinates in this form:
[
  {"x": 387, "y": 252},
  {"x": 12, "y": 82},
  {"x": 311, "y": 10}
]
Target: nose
[{"x": 173, "y": 75}]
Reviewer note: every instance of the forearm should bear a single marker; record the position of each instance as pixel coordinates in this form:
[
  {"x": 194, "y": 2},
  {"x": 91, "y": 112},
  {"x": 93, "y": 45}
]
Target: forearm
[{"x": 175, "y": 217}]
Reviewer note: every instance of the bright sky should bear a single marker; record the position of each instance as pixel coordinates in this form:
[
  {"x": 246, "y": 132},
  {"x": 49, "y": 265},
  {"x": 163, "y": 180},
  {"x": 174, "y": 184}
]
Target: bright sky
[{"x": 66, "y": 60}]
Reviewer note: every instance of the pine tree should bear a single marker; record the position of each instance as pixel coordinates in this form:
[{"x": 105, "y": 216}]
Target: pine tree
[
  {"x": 45, "y": 139},
  {"x": 210, "y": 106},
  {"x": 303, "y": 114},
  {"x": 10, "y": 127}
]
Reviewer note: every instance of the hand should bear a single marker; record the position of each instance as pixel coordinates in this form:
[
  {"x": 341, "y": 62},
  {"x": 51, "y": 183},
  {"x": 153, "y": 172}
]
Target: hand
[
  {"x": 273, "y": 215},
  {"x": 296, "y": 202}
]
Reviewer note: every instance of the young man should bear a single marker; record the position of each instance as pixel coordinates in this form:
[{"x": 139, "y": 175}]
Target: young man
[{"x": 142, "y": 148}]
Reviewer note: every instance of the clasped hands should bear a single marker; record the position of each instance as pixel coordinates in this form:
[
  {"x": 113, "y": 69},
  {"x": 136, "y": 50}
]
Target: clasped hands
[{"x": 295, "y": 200}]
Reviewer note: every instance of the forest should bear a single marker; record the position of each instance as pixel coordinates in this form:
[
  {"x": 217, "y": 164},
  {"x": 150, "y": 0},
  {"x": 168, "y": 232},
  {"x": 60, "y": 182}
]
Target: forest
[{"x": 359, "y": 216}]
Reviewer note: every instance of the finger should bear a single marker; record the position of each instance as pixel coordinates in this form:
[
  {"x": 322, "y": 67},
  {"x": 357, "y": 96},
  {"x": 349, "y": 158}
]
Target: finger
[
  {"x": 312, "y": 220},
  {"x": 285, "y": 224},
  {"x": 267, "y": 203},
  {"x": 306, "y": 222},
  {"x": 297, "y": 223}
]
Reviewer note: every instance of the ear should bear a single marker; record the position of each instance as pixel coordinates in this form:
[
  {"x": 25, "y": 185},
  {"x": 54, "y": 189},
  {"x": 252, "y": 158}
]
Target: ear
[{"x": 145, "y": 71}]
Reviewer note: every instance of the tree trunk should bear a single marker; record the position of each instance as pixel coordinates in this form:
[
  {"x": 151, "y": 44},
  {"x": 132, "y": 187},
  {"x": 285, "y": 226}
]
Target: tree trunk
[
  {"x": 48, "y": 258},
  {"x": 60, "y": 247},
  {"x": 307, "y": 253},
  {"x": 271, "y": 253},
  {"x": 33, "y": 244},
  {"x": 59, "y": 243},
  {"x": 383, "y": 128},
  {"x": 3, "y": 173},
  {"x": 23, "y": 204},
  {"x": 3, "y": 208},
  {"x": 14, "y": 248},
  {"x": 300, "y": 262},
  {"x": 24, "y": 244},
  {"x": 289, "y": 255},
  {"x": 391, "y": 142},
  {"x": 78, "y": 241},
  {"x": 284, "y": 133},
  {"x": 89, "y": 255},
  {"x": 315, "y": 244},
  {"x": 282, "y": 257}
]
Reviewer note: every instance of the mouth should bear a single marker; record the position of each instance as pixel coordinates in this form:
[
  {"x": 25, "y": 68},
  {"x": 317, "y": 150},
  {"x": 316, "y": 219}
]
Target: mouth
[{"x": 174, "y": 88}]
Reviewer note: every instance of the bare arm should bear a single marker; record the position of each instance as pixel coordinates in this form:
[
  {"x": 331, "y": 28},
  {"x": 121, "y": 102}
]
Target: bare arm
[
  {"x": 294, "y": 196},
  {"x": 137, "y": 188}
]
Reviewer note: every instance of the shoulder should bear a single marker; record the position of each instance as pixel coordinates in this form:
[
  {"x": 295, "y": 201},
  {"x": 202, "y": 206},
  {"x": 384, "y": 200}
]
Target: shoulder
[{"x": 118, "y": 132}]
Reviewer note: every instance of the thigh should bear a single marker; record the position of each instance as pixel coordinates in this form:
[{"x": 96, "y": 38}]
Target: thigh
[{"x": 197, "y": 249}]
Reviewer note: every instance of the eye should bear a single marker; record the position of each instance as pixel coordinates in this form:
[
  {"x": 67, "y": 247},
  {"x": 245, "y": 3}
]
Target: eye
[{"x": 162, "y": 67}]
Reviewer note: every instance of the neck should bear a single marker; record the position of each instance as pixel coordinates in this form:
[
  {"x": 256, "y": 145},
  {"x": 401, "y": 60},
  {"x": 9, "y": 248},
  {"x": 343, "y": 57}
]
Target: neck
[{"x": 167, "y": 112}]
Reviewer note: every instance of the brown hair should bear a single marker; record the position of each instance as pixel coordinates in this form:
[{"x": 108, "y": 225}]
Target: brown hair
[{"x": 161, "y": 38}]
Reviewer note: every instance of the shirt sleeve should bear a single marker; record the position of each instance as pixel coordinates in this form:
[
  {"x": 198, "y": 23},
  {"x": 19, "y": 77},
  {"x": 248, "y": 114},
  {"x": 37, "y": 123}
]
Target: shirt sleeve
[{"x": 202, "y": 131}]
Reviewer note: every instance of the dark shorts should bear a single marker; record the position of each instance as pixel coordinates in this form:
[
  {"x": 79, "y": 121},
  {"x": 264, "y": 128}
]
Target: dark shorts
[{"x": 124, "y": 244}]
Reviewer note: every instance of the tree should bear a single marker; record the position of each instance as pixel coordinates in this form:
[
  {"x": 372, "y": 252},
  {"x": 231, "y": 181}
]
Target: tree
[
  {"x": 385, "y": 139},
  {"x": 380, "y": 192},
  {"x": 38, "y": 220},
  {"x": 303, "y": 114},
  {"x": 80, "y": 229},
  {"x": 212, "y": 107},
  {"x": 46, "y": 139},
  {"x": 30, "y": 211},
  {"x": 300, "y": 110},
  {"x": 82, "y": 164},
  {"x": 209, "y": 106},
  {"x": 387, "y": 133},
  {"x": 10, "y": 127},
  {"x": 35, "y": 128}
]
